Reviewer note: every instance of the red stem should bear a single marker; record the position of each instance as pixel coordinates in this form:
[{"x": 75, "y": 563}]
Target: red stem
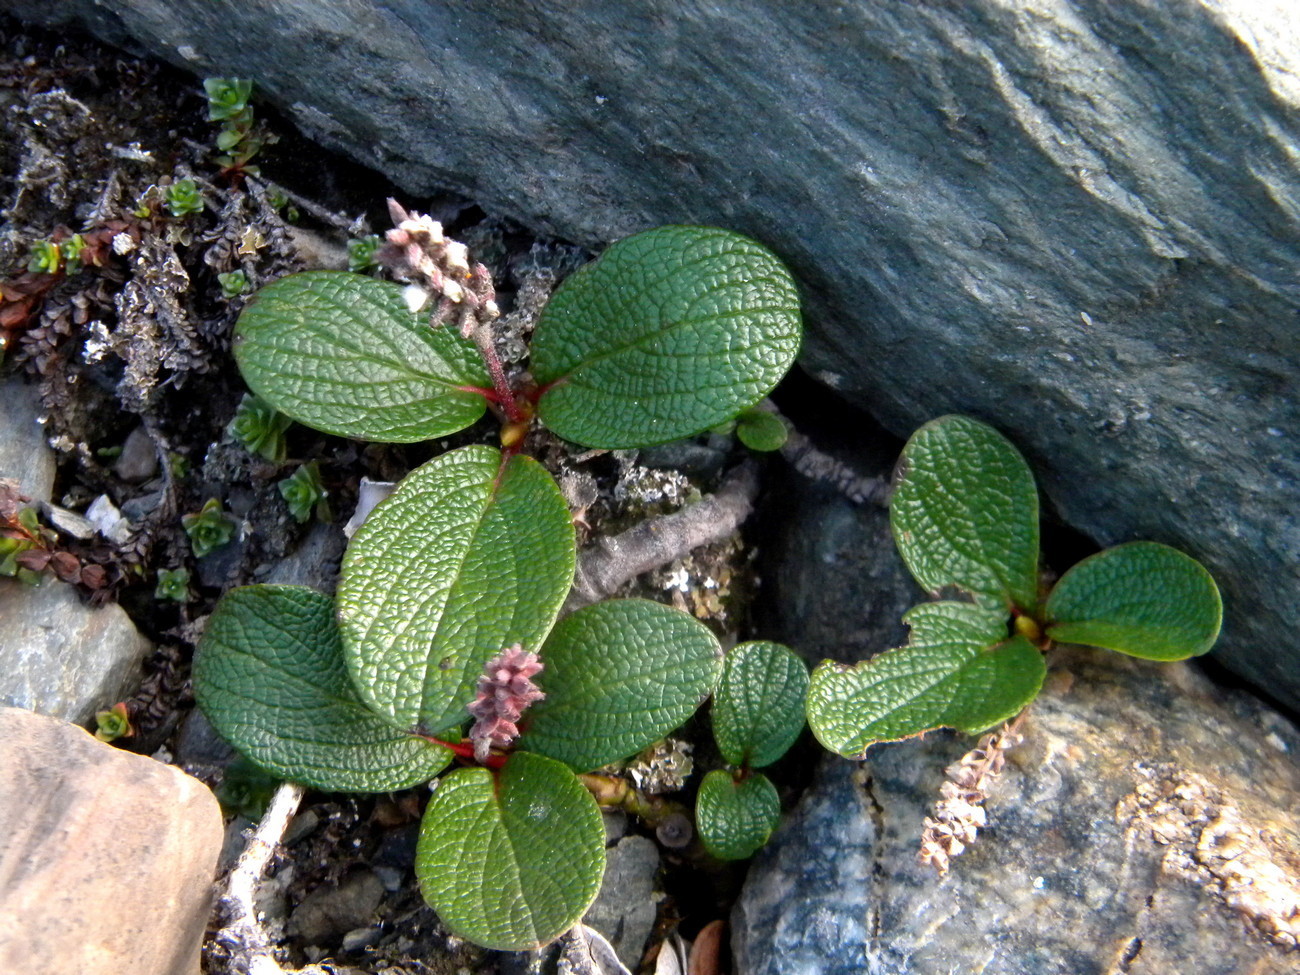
[
  {"x": 491, "y": 395},
  {"x": 505, "y": 395},
  {"x": 465, "y": 750}
]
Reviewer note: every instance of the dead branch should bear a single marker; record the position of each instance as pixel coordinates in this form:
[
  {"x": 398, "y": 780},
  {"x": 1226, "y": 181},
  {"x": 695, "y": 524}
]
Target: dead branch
[
  {"x": 608, "y": 563},
  {"x": 818, "y": 466},
  {"x": 248, "y": 946}
]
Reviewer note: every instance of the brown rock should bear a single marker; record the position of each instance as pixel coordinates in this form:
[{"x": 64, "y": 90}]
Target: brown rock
[{"x": 108, "y": 857}]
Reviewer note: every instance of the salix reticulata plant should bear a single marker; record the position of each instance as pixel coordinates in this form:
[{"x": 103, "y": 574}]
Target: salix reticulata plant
[
  {"x": 965, "y": 518},
  {"x": 450, "y": 591}
]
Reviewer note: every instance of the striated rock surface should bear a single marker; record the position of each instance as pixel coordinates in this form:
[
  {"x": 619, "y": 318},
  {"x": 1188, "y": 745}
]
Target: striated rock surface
[
  {"x": 1148, "y": 824},
  {"x": 1076, "y": 220},
  {"x": 24, "y": 454},
  {"x": 108, "y": 857},
  {"x": 61, "y": 657}
]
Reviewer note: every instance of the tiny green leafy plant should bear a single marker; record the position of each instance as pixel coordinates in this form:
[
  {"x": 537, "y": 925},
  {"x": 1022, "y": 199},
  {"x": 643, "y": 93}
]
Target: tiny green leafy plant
[
  {"x": 362, "y": 253},
  {"x": 443, "y": 642},
  {"x": 209, "y": 528},
  {"x": 261, "y": 428},
  {"x": 758, "y": 712},
  {"x": 305, "y": 495},
  {"x": 233, "y": 283},
  {"x": 173, "y": 584},
  {"x": 114, "y": 723},
  {"x": 183, "y": 197},
  {"x": 238, "y": 139},
  {"x": 965, "y": 519}
]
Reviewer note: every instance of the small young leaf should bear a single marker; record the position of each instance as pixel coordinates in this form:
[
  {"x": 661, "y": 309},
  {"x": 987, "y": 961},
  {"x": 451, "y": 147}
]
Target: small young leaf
[
  {"x": 513, "y": 863},
  {"x": 343, "y": 354},
  {"x": 619, "y": 675},
  {"x": 758, "y": 708},
  {"x": 760, "y": 430},
  {"x": 668, "y": 333},
  {"x": 958, "y": 670},
  {"x": 965, "y": 513},
  {"x": 269, "y": 675},
  {"x": 1144, "y": 599},
  {"x": 736, "y": 818},
  {"x": 466, "y": 557}
]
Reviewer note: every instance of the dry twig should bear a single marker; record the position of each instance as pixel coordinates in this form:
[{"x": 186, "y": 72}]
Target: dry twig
[
  {"x": 610, "y": 562},
  {"x": 249, "y": 948}
]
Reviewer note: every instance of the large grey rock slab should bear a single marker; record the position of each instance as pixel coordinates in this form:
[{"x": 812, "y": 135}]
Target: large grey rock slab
[
  {"x": 1148, "y": 824},
  {"x": 61, "y": 657},
  {"x": 108, "y": 857},
  {"x": 1076, "y": 220}
]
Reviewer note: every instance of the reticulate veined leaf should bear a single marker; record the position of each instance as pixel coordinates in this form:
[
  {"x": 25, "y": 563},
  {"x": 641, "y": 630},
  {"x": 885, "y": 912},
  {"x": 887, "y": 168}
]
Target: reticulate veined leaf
[
  {"x": 1144, "y": 599},
  {"x": 668, "y": 333},
  {"x": 342, "y": 353},
  {"x": 269, "y": 675},
  {"x": 735, "y": 818},
  {"x": 965, "y": 513},
  {"x": 465, "y": 558},
  {"x": 758, "y": 708},
  {"x": 513, "y": 863},
  {"x": 618, "y": 676},
  {"x": 958, "y": 670}
]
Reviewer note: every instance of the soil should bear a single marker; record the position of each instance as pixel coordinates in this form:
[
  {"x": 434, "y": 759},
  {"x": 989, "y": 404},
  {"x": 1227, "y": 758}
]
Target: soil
[{"x": 136, "y": 342}]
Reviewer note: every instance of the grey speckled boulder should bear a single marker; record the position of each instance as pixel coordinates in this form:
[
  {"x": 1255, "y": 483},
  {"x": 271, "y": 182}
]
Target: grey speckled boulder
[
  {"x": 1076, "y": 219},
  {"x": 1148, "y": 824}
]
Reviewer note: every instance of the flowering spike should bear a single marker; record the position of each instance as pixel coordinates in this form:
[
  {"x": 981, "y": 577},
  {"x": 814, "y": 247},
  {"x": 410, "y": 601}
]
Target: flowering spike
[{"x": 504, "y": 691}]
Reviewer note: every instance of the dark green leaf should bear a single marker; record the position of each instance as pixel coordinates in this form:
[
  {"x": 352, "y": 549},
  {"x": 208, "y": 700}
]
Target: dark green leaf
[
  {"x": 758, "y": 708},
  {"x": 959, "y": 670},
  {"x": 464, "y": 559},
  {"x": 619, "y": 676},
  {"x": 511, "y": 864},
  {"x": 269, "y": 675},
  {"x": 736, "y": 818},
  {"x": 965, "y": 513},
  {"x": 670, "y": 332},
  {"x": 1144, "y": 599},
  {"x": 341, "y": 353}
]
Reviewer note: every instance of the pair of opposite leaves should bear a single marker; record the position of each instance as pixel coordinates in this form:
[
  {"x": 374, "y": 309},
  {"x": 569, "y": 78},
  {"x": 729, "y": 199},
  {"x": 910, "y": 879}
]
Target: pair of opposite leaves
[
  {"x": 964, "y": 516},
  {"x": 668, "y": 333}
]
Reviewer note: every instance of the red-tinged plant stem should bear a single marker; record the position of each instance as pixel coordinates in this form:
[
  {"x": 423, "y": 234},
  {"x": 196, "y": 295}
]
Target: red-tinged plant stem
[
  {"x": 505, "y": 396},
  {"x": 490, "y": 395},
  {"x": 465, "y": 750}
]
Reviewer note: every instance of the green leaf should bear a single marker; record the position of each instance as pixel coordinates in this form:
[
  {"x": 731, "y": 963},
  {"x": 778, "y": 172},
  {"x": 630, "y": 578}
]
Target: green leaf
[
  {"x": 341, "y": 353},
  {"x": 618, "y": 676},
  {"x": 958, "y": 670},
  {"x": 514, "y": 863},
  {"x": 465, "y": 558},
  {"x": 760, "y": 430},
  {"x": 758, "y": 708},
  {"x": 1144, "y": 599},
  {"x": 965, "y": 513},
  {"x": 735, "y": 818},
  {"x": 269, "y": 675},
  {"x": 668, "y": 333}
]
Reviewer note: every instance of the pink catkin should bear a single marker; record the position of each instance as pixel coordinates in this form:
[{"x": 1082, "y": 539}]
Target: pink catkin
[{"x": 504, "y": 692}]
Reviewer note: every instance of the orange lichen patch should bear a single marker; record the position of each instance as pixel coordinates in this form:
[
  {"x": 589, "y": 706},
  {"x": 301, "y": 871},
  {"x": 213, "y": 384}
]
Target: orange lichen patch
[{"x": 1254, "y": 868}]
